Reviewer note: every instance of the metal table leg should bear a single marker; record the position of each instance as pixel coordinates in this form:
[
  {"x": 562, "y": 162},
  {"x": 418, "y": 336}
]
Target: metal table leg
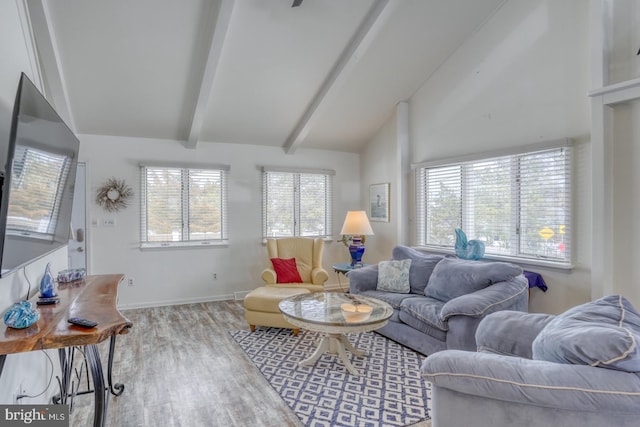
[
  {"x": 2, "y": 359},
  {"x": 100, "y": 396},
  {"x": 117, "y": 388}
]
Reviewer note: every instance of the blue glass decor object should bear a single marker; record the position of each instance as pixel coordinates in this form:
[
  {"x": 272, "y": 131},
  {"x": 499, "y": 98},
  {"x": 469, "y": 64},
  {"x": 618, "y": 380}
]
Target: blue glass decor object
[
  {"x": 472, "y": 249},
  {"x": 71, "y": 275},
  {"x": 47, "y": 283},
  {"x": 21, "y": 315}
]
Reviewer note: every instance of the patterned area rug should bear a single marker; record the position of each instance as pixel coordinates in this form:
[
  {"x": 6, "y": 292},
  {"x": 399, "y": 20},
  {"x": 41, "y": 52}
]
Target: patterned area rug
[{"x": 389, "y": 393}]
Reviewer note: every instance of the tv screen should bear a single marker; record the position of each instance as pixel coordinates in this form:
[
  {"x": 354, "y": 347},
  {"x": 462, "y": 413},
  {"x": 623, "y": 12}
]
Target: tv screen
[{"x": 40, "y": 161}]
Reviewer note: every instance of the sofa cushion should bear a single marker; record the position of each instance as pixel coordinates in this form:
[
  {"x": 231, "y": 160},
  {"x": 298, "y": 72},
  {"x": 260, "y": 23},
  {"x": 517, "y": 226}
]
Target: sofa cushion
[
  {"x": 510, "y": 333},
  {"x": 423, "y": 313},
  {"x": 422, "y": 266},
  {"x": 453, "y": 277},
  {"x": 286, "y": 270},
  {"x": 603, "y": 333},
  {"x": 392, "y": 298},
  {"x": 393, "y": 276}
]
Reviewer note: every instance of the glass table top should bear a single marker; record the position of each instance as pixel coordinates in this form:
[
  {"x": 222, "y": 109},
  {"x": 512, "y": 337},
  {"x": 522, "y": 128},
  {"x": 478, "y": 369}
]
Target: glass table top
[{"x": 336, "y": 309}]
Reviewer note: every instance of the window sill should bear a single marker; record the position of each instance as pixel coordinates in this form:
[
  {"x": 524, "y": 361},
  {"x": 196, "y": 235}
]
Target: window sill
[
  {"x": 173, "y": 245},
  {"x": 523, "y": 262}
]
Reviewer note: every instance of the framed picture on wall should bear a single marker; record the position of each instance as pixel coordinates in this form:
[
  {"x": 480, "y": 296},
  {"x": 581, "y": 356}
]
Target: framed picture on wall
[{"x": 379, "y": 202}]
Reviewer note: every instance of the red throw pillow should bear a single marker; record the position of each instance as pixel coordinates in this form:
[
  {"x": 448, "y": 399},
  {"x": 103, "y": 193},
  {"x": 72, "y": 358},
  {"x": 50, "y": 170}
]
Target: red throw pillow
[{"x": 286, "y": 270}]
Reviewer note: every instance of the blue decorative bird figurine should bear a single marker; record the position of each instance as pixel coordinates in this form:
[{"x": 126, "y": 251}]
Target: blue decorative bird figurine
[{"x": 472, "y": 249}]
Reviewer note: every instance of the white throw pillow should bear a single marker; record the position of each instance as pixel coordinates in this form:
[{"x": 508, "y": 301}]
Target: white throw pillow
[{"x": 393, "y": 276}]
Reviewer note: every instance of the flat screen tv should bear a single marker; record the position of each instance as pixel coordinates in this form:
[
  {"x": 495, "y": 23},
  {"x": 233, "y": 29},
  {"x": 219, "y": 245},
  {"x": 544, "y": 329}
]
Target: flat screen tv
[{"x": 38, "y": 173}]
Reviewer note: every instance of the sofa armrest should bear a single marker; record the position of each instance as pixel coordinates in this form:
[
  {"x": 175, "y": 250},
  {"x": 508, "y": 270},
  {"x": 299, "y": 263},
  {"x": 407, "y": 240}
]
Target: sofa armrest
[
  {"x": 269, "y": 276},
  {"x": 510, "y": 333},
  {"x": 319, "y": 275},
  {"x": 363, "y": 279},
  {"x": 509, "y": 295},
  {"x": 534, "y": 382}
]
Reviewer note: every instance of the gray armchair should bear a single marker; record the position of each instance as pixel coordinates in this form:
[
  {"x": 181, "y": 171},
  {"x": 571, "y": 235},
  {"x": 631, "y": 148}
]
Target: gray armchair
[{"x": 501, "y": 385}]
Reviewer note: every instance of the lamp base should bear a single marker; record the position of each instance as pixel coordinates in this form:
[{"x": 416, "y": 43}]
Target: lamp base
[{"x": 356, "y": 249}]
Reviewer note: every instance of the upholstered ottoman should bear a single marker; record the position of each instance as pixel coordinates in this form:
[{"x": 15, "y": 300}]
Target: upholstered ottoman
[{"x": 261, "y": 307}]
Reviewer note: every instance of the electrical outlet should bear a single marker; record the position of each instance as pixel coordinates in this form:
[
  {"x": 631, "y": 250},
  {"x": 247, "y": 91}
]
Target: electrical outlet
[
  {"x": 131, "y": 282},
  {"x": 215, "y": 276}
]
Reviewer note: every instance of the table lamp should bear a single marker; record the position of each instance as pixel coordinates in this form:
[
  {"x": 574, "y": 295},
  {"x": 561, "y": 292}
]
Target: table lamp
[{"x": 356, "y": 224}]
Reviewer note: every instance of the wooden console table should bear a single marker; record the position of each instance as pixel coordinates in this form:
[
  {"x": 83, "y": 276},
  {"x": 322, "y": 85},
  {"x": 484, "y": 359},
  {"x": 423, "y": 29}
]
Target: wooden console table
[{"x": 94, "y": 298}]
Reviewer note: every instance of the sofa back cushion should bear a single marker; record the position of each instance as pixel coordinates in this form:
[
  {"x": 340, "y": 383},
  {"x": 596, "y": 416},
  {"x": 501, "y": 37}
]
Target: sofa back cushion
[
  {"x": 603, "y": 333},
  {"x": 422, "y": 266},
  {"x": 453, "y": 277}
]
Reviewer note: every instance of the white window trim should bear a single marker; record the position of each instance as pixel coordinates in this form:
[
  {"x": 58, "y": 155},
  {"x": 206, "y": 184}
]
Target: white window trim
[
  {"x": 542, "y": 146},
  {"x": 419, "y": 210},
  {"x": 185, "y": 243},
  {"x": 493, "y": 257},
  {"x": 329, "y": 202}
]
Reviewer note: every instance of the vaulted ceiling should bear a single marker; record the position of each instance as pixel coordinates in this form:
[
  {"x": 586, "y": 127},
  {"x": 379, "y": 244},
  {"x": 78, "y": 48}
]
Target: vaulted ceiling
[{"x": 326, "y": 74}]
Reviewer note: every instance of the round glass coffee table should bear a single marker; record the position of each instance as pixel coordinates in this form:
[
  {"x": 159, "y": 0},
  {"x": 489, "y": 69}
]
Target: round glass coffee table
[{"x": 335, "y": 314}]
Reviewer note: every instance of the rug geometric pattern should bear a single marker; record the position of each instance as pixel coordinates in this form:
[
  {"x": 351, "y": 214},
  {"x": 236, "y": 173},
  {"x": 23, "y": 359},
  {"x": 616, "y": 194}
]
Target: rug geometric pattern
[{"x": 390, "y": 391}]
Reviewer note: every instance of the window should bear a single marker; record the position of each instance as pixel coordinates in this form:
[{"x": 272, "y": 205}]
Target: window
[
  {"x": 183, "y": 206},
  {"x": 518, "y": 205},
  {"x": 296, "y": 203}
]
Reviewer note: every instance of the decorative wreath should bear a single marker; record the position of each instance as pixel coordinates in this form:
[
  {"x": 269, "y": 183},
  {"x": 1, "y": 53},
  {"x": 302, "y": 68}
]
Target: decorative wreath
[{"x": 114, "y": 195}]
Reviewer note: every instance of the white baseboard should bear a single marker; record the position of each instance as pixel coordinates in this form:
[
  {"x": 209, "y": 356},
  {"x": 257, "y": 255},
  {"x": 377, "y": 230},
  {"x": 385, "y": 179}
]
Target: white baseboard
[
  {"x": 239, "y": 296},
  {"x": 175, "y": 302}
]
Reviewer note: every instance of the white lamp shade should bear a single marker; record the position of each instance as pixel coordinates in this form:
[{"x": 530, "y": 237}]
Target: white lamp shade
[{"x": 357, "y": 223}]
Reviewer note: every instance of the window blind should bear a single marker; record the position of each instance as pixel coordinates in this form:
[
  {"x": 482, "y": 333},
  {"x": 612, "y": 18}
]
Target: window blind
[
  {"x": 183, "y": 205},
  {"x": 296, "y": 204},
  {"x": 518, "y": 205}
]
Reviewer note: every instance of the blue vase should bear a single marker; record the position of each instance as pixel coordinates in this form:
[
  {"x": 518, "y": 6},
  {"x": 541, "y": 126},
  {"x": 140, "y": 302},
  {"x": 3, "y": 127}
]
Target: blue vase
[{"x": 47, "y": 283}]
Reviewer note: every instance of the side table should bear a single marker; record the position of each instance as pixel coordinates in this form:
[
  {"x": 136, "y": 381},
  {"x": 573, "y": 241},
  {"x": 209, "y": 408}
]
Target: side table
[{"x": 344, "y": 268}]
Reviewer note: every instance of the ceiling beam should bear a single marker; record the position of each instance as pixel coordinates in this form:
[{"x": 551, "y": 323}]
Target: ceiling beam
[
  {"x": 49, "y": 60},
  {"x": 370, "y": 27},
  {"x": 35, "y": 73},
  {"x": 213, "y": 59}
]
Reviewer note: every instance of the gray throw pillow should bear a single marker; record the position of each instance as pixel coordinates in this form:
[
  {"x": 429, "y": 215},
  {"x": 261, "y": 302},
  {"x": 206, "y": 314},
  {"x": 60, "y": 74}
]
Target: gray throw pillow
[
  {"x": 393, "y": 276},
  {"x": 422, "y": 266},
  {"x": 453, "y": 277},
  {"x": 603, "y": 333}
]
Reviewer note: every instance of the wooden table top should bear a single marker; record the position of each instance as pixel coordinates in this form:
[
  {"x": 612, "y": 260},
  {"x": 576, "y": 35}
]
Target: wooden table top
[{"x": 94, "y": 297}]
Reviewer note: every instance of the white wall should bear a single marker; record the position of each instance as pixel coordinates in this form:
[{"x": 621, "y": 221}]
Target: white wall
[
  {"x": 522, "y": 78},
  {"x": 626, "y": 207},
  {"x": 171, "y": 276},
  {"x": 379, "y": 165},
  {"x": 28, "y": 372}
]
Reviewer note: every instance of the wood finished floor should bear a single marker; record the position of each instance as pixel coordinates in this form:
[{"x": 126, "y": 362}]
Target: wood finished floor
[{"x": 181, "y": 367}]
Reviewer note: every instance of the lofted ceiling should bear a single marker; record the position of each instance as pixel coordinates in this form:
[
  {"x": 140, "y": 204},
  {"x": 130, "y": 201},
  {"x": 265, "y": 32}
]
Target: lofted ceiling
[{"x": 326, "y": 74}]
